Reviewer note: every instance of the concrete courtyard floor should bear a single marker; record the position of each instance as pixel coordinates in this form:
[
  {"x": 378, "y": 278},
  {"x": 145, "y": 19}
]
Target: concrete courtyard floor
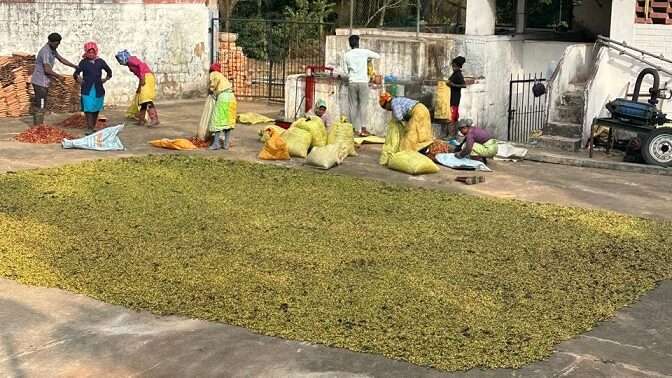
[{"x": 48, "y": 332}]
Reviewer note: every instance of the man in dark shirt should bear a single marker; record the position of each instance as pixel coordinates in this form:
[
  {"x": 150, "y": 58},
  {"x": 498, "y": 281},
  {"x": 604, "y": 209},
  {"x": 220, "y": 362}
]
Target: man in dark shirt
[
  {"x": 44, "y": 73},
  {"x": 456, "y": 83}
]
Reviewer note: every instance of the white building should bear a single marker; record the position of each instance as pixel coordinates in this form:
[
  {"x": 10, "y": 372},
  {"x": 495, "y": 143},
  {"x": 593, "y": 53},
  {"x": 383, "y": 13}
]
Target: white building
[
  {"x": 583, "y": 70},
  {"x": 172, "y": 36}
]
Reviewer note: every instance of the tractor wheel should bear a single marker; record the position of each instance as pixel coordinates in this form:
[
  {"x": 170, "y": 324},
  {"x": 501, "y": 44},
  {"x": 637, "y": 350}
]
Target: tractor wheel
[{"x": 657, "y": 149}]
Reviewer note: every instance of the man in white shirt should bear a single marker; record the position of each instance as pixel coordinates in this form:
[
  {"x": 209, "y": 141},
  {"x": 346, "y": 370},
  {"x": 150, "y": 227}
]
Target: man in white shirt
[{"x": 355, "y": 64}]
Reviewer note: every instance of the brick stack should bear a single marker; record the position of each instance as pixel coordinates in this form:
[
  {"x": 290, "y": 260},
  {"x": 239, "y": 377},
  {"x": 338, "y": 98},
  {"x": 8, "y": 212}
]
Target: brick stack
[
  {"x": 659, "y": 12},
  {"x": 64, "y": 96},
  {"x": 235, "y": 65},
  {"x": 16, "y": 91}
]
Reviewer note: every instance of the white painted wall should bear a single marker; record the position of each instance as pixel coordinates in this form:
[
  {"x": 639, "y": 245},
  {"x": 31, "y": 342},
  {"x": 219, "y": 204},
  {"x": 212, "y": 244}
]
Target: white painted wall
[
  {"x": 656, "y": 39},
  {"x": 171, "y": 38},
  {"x": 539, "y": 56},
  {"x": 402, "y": 55}
]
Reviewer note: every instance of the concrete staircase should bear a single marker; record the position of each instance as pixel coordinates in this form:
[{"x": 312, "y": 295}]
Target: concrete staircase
[{"x": 565, "y": 125}]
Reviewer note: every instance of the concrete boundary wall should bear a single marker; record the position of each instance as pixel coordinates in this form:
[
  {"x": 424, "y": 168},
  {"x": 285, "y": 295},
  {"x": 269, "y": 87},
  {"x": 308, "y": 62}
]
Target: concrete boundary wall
[{"x": 170, "y": 35}]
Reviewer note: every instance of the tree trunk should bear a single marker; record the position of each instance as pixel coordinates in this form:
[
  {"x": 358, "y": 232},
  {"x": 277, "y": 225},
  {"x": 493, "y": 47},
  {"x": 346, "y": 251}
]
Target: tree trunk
[{"x": 382, "y": 13}]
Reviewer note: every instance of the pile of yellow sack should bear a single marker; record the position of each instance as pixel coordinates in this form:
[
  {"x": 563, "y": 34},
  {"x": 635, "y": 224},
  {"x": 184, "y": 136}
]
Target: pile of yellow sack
[
  {"x": 408, "y": 161},
  {"x": 309, "y": 134}
]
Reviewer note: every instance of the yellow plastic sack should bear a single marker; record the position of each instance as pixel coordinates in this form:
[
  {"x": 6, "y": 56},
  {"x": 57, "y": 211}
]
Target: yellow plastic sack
[
  {"x": 264, "y": 135},
  {"x": 412, "y": 162},
  {"x": 298, "y": 141},
  {"x": 253, "y": 118},
  {"x": 275, "y": 147},
  {"x": 173, "y": 144},
  {"x": 371, "y": 139},
  {"x": 442, "y": 103},
  {"x": 342, "y": 132},
  {"x": 315, "y": 127},
  {"x": 206, "y": 116},
  {"x": 327, "y": 156},
  {"x": 395, "y": 131}
]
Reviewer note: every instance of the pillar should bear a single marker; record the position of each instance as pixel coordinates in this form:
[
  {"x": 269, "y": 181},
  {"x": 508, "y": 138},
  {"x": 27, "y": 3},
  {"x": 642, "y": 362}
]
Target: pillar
[
  {"x": 480, "y": 19},
  {"x": 520, "y": 16},
  {"x": 622, "y": 20}
]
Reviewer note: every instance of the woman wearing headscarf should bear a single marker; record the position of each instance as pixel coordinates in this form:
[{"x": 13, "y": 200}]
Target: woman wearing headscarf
[
  {"x": 415, "y": 118},
  {"x": 89, "y": 74},
  {"x": 146, "y": 90},
  {"x": 224, "y": 114}
]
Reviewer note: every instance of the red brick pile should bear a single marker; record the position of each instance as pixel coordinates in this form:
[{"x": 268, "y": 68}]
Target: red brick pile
[
  {"x": 235, "y": 65},
  {"x": 16, "y": 91}
]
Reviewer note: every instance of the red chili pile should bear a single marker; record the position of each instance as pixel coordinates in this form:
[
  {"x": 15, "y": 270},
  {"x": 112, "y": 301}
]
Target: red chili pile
[
  {"x": 199, "y": 143},
  {"x": 43, "y": 134},
  {"x": 78, "y": 121}
]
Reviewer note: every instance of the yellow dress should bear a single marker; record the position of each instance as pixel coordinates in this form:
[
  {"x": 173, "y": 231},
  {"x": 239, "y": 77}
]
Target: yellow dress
[
  {"x": 418, "y": 133},
  {"x": 226, "y": 106}
]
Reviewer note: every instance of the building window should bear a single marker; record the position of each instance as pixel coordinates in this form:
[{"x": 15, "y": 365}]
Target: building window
[{"x": 539, "y": 14}]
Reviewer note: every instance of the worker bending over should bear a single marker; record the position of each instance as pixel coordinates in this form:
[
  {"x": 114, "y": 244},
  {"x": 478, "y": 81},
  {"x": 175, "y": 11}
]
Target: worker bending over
[
  {"x": 418, "y": 125},
  {"x": 478, "y": 143}
]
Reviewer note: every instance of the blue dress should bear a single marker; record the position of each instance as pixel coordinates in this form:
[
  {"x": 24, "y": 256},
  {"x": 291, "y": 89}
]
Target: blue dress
[{"x": 91, "y": 103}]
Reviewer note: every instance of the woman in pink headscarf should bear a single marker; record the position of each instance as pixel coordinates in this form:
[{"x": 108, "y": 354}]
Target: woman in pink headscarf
[{"x": 91, "y": 68}]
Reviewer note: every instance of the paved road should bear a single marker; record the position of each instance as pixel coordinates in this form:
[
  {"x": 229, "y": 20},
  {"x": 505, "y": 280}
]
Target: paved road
[{"x": 51, "y": 333}]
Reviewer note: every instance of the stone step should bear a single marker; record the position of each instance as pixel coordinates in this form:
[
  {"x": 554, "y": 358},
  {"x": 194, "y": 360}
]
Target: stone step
[
  {"x": 575, "y": 98},
  {"x": 559, "y": 143},
  {"x": 569, "y": 114},
  {"x": 563, "y": 129}
]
